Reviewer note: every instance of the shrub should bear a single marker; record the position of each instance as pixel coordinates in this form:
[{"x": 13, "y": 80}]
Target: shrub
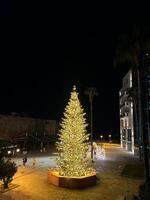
[{"x": 7, "y": 170}]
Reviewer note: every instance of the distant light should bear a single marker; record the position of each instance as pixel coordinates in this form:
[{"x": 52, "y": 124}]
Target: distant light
[
  {"x": 100, "y": 153},
  {"x": 109, "y": 135},
  {"x": 17, "y": 150},
  {"x": 9, "y": 152}
]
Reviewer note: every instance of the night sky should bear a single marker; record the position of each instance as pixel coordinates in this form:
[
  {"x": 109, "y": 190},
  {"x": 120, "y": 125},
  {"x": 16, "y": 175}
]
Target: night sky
[{"x": 47, "y": 48}]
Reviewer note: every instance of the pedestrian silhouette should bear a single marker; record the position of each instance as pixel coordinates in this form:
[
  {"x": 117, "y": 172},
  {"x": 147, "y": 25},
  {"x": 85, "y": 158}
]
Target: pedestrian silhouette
[
  {"x": 33, "y": 162},
  {"x": 24, "y": 160}
]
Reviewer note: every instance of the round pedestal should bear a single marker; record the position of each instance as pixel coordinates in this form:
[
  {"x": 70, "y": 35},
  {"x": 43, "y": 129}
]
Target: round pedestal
[{"x": 71, "y": 182}]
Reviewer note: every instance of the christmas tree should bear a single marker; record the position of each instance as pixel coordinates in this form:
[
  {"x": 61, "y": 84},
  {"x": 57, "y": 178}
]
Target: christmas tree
[{"x": 73, "y": 140}]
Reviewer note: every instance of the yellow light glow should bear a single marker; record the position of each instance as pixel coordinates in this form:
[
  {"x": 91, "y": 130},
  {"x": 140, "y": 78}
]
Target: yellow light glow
[{"x": 73, "y": 140}]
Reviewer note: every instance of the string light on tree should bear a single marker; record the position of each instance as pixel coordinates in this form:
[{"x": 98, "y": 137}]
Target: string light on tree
[{"x": 73, "y": 140}]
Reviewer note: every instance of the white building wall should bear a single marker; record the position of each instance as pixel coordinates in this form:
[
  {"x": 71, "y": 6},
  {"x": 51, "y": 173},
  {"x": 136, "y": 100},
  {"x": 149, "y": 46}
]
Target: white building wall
[{"x": 126, "y": 114}]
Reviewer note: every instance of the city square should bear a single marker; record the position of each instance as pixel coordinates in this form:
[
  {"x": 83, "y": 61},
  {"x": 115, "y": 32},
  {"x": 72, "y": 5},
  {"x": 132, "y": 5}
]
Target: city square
[
  {"x": 32, "y": 182},
  {"x": 74, "y": 100}
]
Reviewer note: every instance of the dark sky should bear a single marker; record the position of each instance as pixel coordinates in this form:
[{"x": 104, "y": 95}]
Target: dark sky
[{"x": 47, "y": 48}]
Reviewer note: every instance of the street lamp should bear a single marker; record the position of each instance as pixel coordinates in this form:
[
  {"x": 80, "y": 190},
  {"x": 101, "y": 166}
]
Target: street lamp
[
  {"x": 101, "y": 136},
  {"x": 9, "y": 152},
  {"x": 17, "y": 150},
  {"x": 109, "y": 138}
]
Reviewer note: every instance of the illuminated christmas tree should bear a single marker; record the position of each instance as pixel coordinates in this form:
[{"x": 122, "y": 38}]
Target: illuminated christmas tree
[{"x": 73, "y": 140}]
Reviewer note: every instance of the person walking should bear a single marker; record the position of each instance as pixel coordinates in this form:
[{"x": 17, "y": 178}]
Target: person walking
[
  {"x": 24, "y": 161},
  {"x": 33, "y": 162}
]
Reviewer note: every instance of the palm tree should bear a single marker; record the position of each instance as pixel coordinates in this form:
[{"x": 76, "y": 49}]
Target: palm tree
[
  {"x": 91, "y": 92},
  {"x": 132, "y": 49}
]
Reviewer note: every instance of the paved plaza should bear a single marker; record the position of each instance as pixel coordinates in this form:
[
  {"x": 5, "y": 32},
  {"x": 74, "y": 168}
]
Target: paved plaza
[{"x": 32, "y": 182}]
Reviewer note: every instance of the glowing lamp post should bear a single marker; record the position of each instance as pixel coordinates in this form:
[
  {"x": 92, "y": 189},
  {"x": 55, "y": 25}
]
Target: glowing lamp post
[
  {"x": 101, "y": 136},
  {"x": 18, "y": 150},
  {"x": 109, "y": 138},
  {"x": 9, "y": 152}
]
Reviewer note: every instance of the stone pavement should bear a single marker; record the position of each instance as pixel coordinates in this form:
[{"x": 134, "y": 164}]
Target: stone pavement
[{"x": 32, "y": 183}]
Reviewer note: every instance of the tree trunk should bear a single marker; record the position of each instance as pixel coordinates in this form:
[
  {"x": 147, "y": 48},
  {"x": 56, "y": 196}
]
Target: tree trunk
[
  {"x": 5, "y": 183},
  {"x": 91, "y": 132},
  {"x": 137, "y": 132},
  {"x": 141, "y": 128}
]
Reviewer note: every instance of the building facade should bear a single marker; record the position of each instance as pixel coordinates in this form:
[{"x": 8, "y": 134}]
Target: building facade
[
  {"x": 126, "y": 113},
  {"x": 15, "y": 126},
  {"x": 132, "y": 103}
]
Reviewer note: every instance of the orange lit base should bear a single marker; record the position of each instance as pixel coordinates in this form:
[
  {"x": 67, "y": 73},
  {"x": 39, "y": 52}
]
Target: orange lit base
[{"x": 71, "y": 182}]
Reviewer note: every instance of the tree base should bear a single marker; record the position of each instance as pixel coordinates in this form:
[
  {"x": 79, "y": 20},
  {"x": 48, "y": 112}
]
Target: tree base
[{"x": 71, "y": 182}]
